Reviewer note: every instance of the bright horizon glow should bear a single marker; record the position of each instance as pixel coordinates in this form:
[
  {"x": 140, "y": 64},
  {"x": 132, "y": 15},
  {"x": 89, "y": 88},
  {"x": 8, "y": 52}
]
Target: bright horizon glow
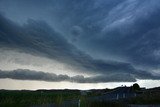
[
  {"x": 13, "y": 60},
  {"x": 11, "y": 84}
]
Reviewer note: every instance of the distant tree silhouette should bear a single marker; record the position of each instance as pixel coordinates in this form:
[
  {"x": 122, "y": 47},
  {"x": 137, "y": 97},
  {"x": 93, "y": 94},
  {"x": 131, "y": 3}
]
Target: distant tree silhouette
[{"x": 135, "y": 87}]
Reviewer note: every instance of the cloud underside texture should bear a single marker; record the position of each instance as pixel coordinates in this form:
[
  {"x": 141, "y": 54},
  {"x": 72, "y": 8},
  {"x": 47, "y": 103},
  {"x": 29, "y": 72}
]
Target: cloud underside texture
[
  {"x": 23, "y": 74},
  {"x": 37, "y": 38},
  {"x": 127, "y": 28}
]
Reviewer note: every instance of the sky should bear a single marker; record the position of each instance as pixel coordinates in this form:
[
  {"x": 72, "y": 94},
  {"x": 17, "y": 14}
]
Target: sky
[{"x": 82, "y": 44}]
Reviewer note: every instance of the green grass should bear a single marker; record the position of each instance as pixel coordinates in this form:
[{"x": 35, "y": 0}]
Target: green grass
[
  {"x": 148, "y": 97},
  {"x": 29, "y": 98}
]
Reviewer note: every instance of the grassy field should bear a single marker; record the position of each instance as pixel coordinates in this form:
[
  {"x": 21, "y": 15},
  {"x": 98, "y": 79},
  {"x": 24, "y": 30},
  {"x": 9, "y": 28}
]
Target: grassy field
[
  {"x": 26, "y": 98},
  {"x": 29, "y": 98},
  {"x": 148, "y": 97},
  {"x": 41, "y": 97}
]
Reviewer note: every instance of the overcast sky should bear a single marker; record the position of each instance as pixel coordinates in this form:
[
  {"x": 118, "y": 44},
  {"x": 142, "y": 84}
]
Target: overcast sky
[{"x": 85, "y": 42}]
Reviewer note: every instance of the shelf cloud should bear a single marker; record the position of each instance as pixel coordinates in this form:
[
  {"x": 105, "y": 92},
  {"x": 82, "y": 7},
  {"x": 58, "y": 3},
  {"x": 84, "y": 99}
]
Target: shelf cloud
[{"x": 109, "y": 41}]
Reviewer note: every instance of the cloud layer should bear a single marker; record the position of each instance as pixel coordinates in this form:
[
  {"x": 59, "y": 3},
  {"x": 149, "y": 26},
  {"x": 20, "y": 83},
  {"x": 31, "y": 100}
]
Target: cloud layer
[
  {"x": 23, "y": 74},
  {"x": 112, "y": 40}
]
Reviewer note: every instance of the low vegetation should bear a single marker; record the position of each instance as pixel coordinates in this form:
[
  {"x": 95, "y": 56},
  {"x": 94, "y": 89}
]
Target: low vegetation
[
  {"x": 26, "y": 98},
  {"x": 29, "y": 98}
]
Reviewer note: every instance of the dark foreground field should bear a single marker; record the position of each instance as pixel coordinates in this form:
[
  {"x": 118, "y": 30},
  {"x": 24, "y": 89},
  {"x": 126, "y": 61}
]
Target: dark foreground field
[{"x": 74, "y": 98}]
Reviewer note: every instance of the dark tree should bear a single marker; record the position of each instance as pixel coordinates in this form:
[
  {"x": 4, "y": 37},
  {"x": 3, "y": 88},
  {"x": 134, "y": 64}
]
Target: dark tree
[{"x": 136, "y": 86}]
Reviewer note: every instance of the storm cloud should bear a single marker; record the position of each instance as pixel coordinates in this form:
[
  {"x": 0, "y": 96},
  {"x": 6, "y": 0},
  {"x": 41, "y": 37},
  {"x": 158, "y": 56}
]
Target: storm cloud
[
  {"x": 112, "y": 40},
  {"x": 23, "y": 74}
]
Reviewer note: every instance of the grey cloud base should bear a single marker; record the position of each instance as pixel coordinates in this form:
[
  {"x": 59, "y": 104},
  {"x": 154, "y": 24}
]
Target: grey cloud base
[
  {"x": 23, "y": 74},
  {"x": 96, "y": 26}
]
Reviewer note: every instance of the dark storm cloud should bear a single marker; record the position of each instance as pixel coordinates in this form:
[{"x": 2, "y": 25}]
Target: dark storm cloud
[
  {"x": 24, "y": 74},
  {"x": 36, "y": 37},
  {"x": 133, "y": 37},
  {"x": 32, "y": 75},
  {"x": 123, "y": 31},
  {"x": 112, "y": 29}
]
